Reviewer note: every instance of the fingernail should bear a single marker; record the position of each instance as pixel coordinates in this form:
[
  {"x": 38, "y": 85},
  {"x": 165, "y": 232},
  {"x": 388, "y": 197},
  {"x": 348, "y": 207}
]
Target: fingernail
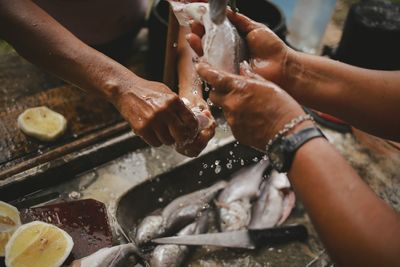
[{"x": 187, "y": 37}]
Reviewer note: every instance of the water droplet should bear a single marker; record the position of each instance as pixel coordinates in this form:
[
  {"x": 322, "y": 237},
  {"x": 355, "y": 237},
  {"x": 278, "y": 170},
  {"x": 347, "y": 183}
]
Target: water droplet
[
  {"x": 256, "y": 159},
  {"x": 200, "y": 173},
  {"x": 218, "y": 169},
  {"x": 160, "y": 199},
  {"x": 175, "y": 44},
  {"x": 229, "y": 165},
  {"x": 209, "y": 102},
  {"x": 217, "y": 162},
  {"x": 205, "y": 166},
  {"x": 74, "y": 195},
  {"x": 242, "y": 162}
]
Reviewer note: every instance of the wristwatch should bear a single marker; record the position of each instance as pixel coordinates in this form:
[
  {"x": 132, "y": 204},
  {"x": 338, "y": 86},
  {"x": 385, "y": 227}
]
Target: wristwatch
[{"x": 281, "y": 152}]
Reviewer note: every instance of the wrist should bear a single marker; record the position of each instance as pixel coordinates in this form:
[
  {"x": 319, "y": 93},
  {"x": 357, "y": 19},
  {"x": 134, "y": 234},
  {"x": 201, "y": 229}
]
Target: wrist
[
  {"x": 293, "y": 72},
  {"x": 114, "y": 89},
  {"x": 283, "y": 150}
]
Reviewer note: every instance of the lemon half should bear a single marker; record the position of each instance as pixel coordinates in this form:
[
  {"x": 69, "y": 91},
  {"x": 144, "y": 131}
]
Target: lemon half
[
  {"x": 38, "y": 244},
  {"x": 42, "y": 123},
  {"x": 9, "y": 222}
]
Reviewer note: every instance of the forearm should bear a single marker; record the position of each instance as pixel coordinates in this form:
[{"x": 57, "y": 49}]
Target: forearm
[
  {"x": 357, "y": 227},
  {"x": 347, "y": 92},
  {"x": 46, "y": 43}
]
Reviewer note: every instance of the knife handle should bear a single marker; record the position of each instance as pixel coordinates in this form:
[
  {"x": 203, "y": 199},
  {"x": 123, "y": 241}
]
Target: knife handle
[{"x": 262, "y": 237}]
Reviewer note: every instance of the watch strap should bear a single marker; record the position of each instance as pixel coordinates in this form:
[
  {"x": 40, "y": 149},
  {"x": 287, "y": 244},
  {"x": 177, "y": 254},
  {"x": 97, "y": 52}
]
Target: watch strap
[{"x": 293, "y": 142}]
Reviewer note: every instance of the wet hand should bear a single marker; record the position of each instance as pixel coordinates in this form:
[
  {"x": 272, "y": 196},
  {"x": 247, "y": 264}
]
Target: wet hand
[
  {"x": 156, "y": 114},
  {"x": 207, "y": 127},
  {"x": 255, "y": 109},
  {"x": 268, "y": 54}
]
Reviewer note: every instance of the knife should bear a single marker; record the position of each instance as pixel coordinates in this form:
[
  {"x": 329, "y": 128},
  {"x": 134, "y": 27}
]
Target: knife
[
  {"x": 218, "y": 10},
  {"x": 246, "y": 239}
]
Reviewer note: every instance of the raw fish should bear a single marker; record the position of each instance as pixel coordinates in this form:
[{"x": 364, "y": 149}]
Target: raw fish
[
  {"x": 185, "y": 209},
  {"x": 176, "y": 215},
  {"x": 235, "y": 200},
  {"x": 222, "y": 45},
  {"x": 274, "y": 204},
  {"x": 149, "y": 228},
  {"x": 175, "y": 255}
]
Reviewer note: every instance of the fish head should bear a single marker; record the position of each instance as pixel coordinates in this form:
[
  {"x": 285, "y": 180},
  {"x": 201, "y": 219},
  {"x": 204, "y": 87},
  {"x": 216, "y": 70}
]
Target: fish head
[
  {"x": 197, "y": 11},
  {"x": 185, "y": 12}
]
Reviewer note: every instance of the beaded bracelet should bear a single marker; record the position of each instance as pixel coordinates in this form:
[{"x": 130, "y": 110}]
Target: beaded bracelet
[{"x": 288, "y": 126}]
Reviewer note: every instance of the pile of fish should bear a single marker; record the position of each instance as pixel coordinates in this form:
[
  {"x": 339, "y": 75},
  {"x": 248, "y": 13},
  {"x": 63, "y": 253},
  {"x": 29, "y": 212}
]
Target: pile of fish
[{"x": 248, "y": 200}]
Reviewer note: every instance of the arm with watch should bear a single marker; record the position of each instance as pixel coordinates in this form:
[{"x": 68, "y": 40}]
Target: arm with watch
[{"x": 356, "y": 226}]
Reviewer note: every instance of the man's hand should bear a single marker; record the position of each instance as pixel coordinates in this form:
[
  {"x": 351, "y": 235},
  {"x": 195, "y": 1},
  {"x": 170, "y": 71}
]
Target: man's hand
[
  {"x": 157, "y": 114},
  {"x": 269, "y": 55},
  {"x": 207, "y": 127},
  {"x": 255, "y": 110}
]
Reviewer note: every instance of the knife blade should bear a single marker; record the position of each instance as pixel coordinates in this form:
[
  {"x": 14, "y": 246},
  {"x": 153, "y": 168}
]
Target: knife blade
[
  {"x": 246, "y": 239},
  {"x": 218, "y": 10}
]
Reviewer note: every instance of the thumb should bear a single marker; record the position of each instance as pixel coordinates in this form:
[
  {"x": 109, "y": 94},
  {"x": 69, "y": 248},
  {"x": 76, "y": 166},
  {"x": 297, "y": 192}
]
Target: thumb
[
  {"x": 247, "y": 71},
  {"x": 221, "y": 81}
]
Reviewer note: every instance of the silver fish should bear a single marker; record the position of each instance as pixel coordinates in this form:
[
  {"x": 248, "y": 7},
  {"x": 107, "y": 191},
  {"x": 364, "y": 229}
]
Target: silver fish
[
  {"x": 175, "y": 255},
  {"x": 274, "y": 204},
  {"x": 118, "y": 256},
  {"x": 150, "y": 228},
  {"x": 235, "y": 200},
  {"x": 185, "y": 209},
  {"x": 177, "y": 214},
  {"x": 223, "y": 47}
]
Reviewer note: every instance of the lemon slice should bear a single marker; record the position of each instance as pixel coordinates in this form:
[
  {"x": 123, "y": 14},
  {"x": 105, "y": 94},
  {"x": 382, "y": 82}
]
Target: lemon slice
[
  {"x": 42, "y": 123},
  {"x": 9, "y": 222},
  {"x": 38, "y": 244}
]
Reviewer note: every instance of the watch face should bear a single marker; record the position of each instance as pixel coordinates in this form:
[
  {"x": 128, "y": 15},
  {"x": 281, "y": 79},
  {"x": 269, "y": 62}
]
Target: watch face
[{"x": 276, "y": 156}]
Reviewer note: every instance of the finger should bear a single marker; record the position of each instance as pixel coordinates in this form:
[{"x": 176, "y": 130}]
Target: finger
[
  {"x": 185, "y": 126},
  {"x": 197, "y": 29},
  {"x": 162, "y": 132},
  {"x": 221, "y": 81},
  {"x": 244, "y": 24},
  {"x": 195, "y": 42},
  {"x": 217, "y": 99},
  {"x": 150, "y": 138},
  {"x": 197, "y": 146}
]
